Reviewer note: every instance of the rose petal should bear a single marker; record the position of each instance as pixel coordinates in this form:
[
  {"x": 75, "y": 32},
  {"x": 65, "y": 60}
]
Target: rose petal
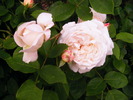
[
  {"x": 98, "y": 16},
  {"x": 30, "y": 57},
  {"x": 19, "y": 31},
  {"x": 45, "y": 19},
  {"x": 47, "y": 34}
]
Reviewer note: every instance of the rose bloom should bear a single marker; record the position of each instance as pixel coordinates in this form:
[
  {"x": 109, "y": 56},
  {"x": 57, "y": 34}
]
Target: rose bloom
[
  {"x": 29, "y": 3},
  {"x": 89, "y": 42},
  {"x": 31, "y": 35}
]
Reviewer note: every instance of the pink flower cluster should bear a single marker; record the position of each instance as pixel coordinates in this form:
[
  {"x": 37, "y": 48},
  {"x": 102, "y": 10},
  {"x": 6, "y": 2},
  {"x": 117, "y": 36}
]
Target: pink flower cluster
[{"x": 88, "y": 41}]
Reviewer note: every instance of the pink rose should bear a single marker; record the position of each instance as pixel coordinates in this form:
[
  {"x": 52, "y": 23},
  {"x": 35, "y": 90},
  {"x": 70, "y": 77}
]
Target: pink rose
[
  {"x": 29, "y": 3},
  {"x": 31, "y": 36},
  {"x": 89, "y": 42}
]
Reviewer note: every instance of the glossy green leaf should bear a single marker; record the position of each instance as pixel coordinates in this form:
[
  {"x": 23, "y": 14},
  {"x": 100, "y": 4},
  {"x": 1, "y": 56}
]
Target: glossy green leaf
[
  {"x": 29, "y": 91},
  {"x": 17, "y": 64},
  {"x": 6, "y": 17},
  {"x": 9, "y": 43},
  {"x": 4, "y": 55},
  {"x": 126, "y": 37},
  {"x": 36, "y": 13},
  {"x": 95, "y": 86},
  {"x": 45, "y": 48},
  {"x": 61, "y": 12},
  {"x": 62, "y": 90},
  {"x": 83, "y": 12},
  {"x": 116, "y": 51},
  {"x": 49, "y": 95},
  {"x": 112, "y": 30},
  {"x": 116, "y": 79},
  {"x": 77, "y": 90},
  {"x": 57, "y": 50},
  {"x": 52, "y": 74},
  {"x": 119, "y": 65},
  {"x": 79, "y": 2},
  {"x": 128, "y": 90},
  {"x": 103, "y": 6},
  {"x": 3, "y": 10},
  {"x": 117, "y": 2},
  {"x": 116, "y": 95},
  {"x": 9, "y": 3}
]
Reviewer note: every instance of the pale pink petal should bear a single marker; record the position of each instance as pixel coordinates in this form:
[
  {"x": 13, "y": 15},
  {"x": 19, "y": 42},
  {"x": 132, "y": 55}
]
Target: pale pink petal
[
  {"x": 73, "y": 66},
  {"x": 99, "y": 16},
  {"x": 34, "y": 28},
  {"x": 36, "y": 44},
  {"x": 19, "y": 32},
  {"x": 30, "y": 56},
  {"x": 47, "y": 34},
  {"x": 80, "y": 20},
  {"x": 45, "y": 19}
]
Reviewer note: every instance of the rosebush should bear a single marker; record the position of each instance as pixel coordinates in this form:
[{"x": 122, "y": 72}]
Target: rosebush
[{"x": 66, "y": 50}]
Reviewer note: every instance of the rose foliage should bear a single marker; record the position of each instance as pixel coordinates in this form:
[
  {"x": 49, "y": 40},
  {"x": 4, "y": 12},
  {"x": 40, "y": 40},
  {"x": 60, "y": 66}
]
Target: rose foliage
[{"x": 66, "y": 50}]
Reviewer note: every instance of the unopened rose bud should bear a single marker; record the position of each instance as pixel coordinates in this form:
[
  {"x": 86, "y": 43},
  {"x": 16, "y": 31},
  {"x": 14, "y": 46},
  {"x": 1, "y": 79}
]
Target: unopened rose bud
[
  {"x": 67, "y": 56},
  {"x": 29, "y": 3},
  {"x": 107, "y": 24}
]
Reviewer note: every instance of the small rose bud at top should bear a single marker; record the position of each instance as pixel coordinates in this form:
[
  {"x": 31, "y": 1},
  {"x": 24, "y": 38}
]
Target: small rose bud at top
[
  {"x": 67, "y": 56},
  {"x": 29, "y": 3}
]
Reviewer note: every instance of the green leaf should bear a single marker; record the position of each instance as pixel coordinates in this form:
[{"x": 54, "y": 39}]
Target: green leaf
[
  {"x": 83, "y": 12},
  {"x": 77, "y": 88},
  {"x": 6, "y": 17},
  {"x": 29, "y": 91},
  {"x": 128, "y": 90},
  {"x": 45, "y": 48},
  {"x": 12, "y": 86},
  {"x": 57, "y": 50},
  {"x": 116, "y": 51},
  {"x": 9, "y": 43},
  {"x": 4, "y": 55},
  {"x": 9, "y": 3},
  {"x": 112, "y": 30},
  {"x": 19, "y": 10},
  {"x": 116, "y": 79},
  {"x": 17, "y": 64},
  {"x": 117, "y": 3},
  {"x": 119, "y": 65},
  {"x": 52, "y": 74},
  {"x": 95, "y": 86},
  {"x": 126, "y": 37},
  {"x": 50, "y": 95},
  {"x": 79, "y": 2},
  {"x": 62, "y": 90},
  {"x": 103, "y": 6},
  {"x": 36, "y": 13},
  {"x": 3, "y": 10},
  {"x": 62, "y": 11},
  {"x": 116, "y": 95}
]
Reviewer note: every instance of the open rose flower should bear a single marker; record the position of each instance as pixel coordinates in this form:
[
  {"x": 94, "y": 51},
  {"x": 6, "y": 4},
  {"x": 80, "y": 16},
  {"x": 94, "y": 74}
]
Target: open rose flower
[
  {"x": 89, "y": 42},
  {"x": 31, "y": 36}
]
